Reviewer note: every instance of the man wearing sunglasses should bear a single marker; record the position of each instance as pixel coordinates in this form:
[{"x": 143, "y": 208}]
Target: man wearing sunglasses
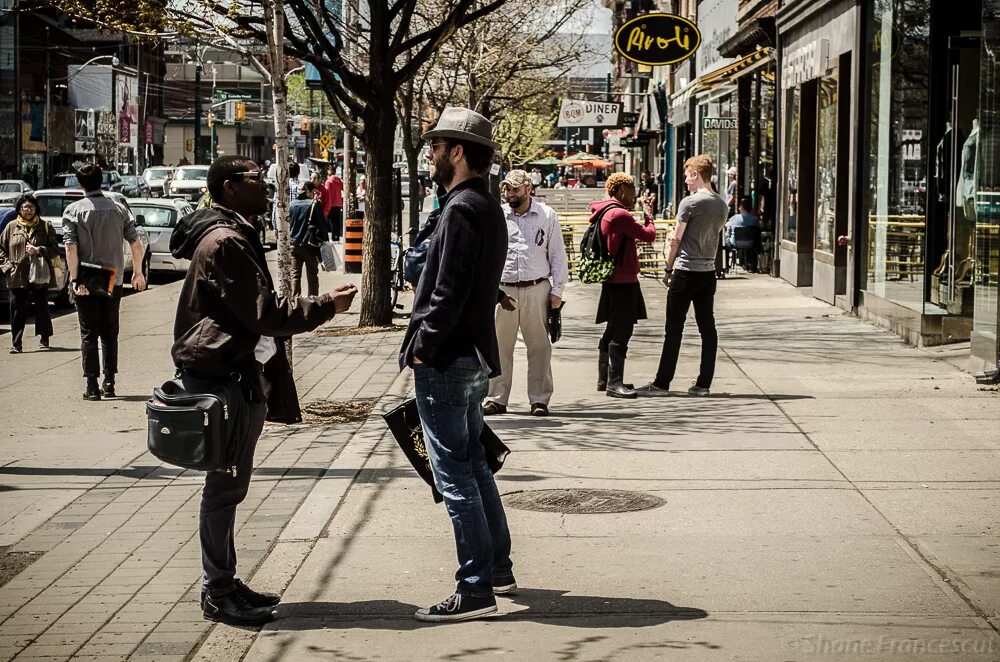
[{"x": 231, "y": 321}]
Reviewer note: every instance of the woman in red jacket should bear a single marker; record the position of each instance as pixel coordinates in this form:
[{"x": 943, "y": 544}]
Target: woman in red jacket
[{"x": 621, "y": 304}]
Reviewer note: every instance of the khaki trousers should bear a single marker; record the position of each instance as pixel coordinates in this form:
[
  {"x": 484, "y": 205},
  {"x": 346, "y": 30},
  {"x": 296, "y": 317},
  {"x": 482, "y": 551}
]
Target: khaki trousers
[{"x": 531, "y": 317}]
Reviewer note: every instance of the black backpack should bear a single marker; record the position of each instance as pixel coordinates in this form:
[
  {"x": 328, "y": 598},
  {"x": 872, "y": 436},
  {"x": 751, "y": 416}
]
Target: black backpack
[{"x": 596, "y": 264}]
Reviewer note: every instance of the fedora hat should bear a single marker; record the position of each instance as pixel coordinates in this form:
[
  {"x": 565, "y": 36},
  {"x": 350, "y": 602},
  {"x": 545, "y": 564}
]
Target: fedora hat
[{"x": 463, "y": 124}]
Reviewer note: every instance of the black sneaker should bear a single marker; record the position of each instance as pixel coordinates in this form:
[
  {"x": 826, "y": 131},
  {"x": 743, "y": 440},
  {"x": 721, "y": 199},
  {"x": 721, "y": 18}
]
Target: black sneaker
[
  {"x": 108, "y": 389},
  {"x": 506, "y": 588},
  {"x": 250, "y": 596},
  {"x": 92, "y": 392},
  {"x": 457, "y": 608},
  {"x": 231, "y": 609}
]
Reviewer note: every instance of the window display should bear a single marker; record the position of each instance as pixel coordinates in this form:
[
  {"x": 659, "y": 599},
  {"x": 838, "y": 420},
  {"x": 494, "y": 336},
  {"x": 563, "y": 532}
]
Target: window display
[
  {"x": 791, "y": 187},
  {"x": 826, "y": 164}
]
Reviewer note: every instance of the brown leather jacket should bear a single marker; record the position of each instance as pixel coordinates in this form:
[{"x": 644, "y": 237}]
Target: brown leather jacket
[
  {"x": 228, "y": 302},
  {"x": 14, "y": 263}
]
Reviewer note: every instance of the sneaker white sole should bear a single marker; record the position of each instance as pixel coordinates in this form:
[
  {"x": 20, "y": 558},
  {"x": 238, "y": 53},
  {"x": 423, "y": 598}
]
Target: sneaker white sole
[
  {"x": 505, "y": 589},
  {"x": 425, "y": 617}
]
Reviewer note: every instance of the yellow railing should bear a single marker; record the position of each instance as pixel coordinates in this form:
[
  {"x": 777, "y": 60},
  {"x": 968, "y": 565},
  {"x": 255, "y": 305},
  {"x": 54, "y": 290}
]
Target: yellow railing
[{"x": 904, "y": 246}]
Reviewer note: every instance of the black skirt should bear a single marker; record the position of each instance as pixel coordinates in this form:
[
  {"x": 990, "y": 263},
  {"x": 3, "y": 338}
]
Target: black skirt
[{"x": 621, "y": 302}]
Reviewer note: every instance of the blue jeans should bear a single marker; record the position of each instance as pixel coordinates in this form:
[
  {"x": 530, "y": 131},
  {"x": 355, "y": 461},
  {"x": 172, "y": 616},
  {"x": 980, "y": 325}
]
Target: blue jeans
[{"x": 450, "y": 409}]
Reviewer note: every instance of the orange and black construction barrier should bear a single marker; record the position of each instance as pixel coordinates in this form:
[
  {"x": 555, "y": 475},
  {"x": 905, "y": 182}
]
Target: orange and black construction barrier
[{"x": 354, "y": 236}]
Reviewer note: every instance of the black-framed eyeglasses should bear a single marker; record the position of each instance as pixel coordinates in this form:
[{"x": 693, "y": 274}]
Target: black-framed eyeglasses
[
  {"x": 432, "y": 147},
  {"x": 253, "y": 175}
]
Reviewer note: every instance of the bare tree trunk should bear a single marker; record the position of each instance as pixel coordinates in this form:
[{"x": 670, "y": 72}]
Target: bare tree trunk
[
  {"x": 274, "y": 19},
  {"x": 411, "y": 147},
  {"x": 376, "y": 303}
]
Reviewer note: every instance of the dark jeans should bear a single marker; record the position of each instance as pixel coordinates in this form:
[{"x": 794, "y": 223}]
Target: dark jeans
[
  {"x": 305, "y": 258},
  {"x": 687, "y": 287},
  {"x": 99, "y": 320},
  {"x": 19, "y": 313},
  {"x": 336, "y": 220},
  {"x": 451, "y": 412},
  {"x": 217, "y": 518}
]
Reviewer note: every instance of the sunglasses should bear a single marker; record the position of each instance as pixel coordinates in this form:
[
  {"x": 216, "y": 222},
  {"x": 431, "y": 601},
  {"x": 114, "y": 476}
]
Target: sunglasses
[{"x": 253, "y": 175}]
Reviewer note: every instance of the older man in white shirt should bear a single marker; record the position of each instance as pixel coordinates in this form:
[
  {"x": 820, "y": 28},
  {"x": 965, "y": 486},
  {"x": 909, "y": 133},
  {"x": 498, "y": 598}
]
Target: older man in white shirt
[{"x": 534, "y": 275}]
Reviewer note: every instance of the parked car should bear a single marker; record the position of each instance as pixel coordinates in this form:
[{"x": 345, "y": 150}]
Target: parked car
[
  {"x": 158, "y": 178},
  {"x": 189, "y": 182},
  {"x": 159, "y": 216},
  {"x": 134, "y": 186},
  {"x": 12, "y": 189},
  {"x": 68, "y": 180},
  {"x": 52, "y": 203}
]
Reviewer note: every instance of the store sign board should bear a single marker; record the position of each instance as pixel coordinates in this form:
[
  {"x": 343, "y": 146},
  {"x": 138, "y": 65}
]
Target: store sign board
[
  {"x": 657, "y": 39},
  {"x": 719, "y": 123},
  {"x": 580, "y": 114},
  {"x": 805, "y": 63}
]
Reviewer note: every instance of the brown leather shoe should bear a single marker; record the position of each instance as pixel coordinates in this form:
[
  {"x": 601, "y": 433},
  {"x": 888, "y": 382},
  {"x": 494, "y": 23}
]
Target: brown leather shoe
[{"x": 493, "y": 408}]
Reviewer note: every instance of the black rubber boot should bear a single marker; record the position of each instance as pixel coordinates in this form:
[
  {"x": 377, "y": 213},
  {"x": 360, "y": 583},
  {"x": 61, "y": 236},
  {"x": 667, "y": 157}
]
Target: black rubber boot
[
  {"x": 616, "y": 372},
  {"x": 602, "y": 371}
]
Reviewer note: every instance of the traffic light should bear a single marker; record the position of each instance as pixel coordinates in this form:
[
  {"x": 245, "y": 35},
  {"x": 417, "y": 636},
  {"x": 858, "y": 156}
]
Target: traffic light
[
  {"x": 241, "y": 111},
  {"x": 211, "y": 119}
]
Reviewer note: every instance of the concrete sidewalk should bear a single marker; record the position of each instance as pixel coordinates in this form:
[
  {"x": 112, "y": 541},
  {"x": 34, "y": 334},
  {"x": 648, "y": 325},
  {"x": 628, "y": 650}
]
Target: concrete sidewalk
[
  {"x": 113, "y": 531},
  {"x": 836, "y": 498}
]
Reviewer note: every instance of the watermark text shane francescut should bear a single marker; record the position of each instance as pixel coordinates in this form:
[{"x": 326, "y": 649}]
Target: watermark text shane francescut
[{"x": 820, "y": 645}]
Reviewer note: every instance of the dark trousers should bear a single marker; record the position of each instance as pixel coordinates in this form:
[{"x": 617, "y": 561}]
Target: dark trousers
[
  {"x": 687, "y": 287},
  {"x": 305, "y": 258},
  {"x": 217, "y": 518},
  {"x": 336, "y": 220},
  {"x": 99, "y": 320},
  {"x": 19, "y": 297}
]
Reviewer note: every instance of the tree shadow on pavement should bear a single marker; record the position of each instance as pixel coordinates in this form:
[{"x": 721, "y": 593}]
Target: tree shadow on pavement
[{"x": 548, "y": 606}]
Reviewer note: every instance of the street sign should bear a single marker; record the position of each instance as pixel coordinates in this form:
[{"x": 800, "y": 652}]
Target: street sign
[
  {"x": 630, "y": 118},
  {"x": 719, "y": 123},
  {"x": 325, "y": 141},
  {"x": 237, "y": 95},
  {"x": 581, "y": 114}
]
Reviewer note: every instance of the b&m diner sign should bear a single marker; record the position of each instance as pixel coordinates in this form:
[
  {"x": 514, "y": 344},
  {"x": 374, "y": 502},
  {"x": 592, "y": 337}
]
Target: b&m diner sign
[{"x": 657, "y": 39}]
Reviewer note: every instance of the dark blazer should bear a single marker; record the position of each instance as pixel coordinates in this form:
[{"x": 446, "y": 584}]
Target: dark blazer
[
  {"x": 227, "y": 302},
  {"x": 455, "y": 301}
]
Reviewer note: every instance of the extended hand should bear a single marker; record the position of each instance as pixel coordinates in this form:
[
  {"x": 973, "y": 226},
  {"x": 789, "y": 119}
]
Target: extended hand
[
  {"x": 343, "y": 297},
  {"x": 508, "y": 302},
  {"x": 647, "y": 205}
]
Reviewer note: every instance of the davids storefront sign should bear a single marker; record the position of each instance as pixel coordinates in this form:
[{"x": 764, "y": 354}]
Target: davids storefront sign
[{"x": 657, "y": 39}]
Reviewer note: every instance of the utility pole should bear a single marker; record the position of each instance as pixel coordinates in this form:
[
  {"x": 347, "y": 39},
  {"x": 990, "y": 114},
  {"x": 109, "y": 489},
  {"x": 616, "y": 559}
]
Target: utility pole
[
  {"x": 197, "y": 109},
  {"x": 349, "y": 188},
  {"x": 113, "y": 160},
  {"x": 46, "y": 175},
  {"x": 211, "y": 152}
]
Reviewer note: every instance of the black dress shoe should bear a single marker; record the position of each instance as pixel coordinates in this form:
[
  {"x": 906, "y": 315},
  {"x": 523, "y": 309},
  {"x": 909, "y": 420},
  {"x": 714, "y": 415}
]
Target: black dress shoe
[
  {"x": 92, "y": 392},
  {"x": 231, "y": 609},
  {"x": 250, "y": 596},
  {"x": 620, "y": 390},
  {"x": 108, "y": 389}
]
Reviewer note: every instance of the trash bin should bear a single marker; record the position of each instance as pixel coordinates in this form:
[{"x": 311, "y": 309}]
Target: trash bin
[{"x": 354, "y": 236}]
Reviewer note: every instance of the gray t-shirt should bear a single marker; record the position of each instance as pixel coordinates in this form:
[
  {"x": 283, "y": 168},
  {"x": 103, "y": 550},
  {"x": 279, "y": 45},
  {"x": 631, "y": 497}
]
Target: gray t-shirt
[
  {"x": 704, "y": 215},
  {"x": 97, "y": 225}
]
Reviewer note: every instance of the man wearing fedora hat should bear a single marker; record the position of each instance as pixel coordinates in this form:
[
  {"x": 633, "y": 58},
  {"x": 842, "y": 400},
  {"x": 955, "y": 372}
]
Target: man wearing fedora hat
[
  {"x": 451, "y": 344},
  {"x": 535, "y": 254}
]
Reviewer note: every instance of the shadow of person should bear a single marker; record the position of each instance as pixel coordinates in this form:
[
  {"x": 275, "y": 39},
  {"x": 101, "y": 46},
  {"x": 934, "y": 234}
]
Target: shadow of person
[{"x": 552, "y": 607}]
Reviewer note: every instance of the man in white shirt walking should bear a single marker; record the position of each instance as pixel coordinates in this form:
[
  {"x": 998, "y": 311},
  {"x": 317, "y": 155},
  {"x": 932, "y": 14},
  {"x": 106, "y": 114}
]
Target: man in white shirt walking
[{"x": 535, "y": 254}]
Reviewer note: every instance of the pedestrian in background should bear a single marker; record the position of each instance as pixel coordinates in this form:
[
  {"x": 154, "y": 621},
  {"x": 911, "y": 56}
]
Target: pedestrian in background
[
  {"x": 621, "y": 304},
  {"x": 536, "y": 177},
  {"x": 746, "y": 247},
  {"x": 231, "y": 321},
  {"x": 647, "y": 190},
  {"x": 535, "y": 254},
  {"x": 27, "y": 238},
  {"x": 690, "y": 277},
  {"x": 93, "y": 230},
  {"x": 334, "y": 199},
  {"x": 451, "y": 344},
  {"x": 307, "y": 229}
]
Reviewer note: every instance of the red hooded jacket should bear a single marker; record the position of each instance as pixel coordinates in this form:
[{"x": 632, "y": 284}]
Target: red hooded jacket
[{"x": 619, "y": 225}]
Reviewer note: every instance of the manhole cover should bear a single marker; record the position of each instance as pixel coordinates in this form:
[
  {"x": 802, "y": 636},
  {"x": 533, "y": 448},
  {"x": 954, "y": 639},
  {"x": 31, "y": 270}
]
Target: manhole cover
[{"x": 582, "y": 501}]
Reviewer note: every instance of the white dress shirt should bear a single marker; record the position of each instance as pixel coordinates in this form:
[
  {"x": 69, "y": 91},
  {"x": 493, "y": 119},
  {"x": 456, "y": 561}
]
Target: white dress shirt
[{"x": 535, "y": 247}]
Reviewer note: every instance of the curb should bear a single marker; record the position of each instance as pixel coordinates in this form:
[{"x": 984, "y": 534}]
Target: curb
[{"x": 296, "y": 540}]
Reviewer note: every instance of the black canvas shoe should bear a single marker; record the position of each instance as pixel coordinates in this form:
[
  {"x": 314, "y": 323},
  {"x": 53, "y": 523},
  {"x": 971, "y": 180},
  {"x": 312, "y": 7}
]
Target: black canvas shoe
[
  {"x": 651, "y": 390},
  {"x": 231, "y": 609},
  {"x": 92, "y": 392},
  {"x": 250, "y": 596},
  {"x": 108, "y": 389},
  {"x": 506, "y": 588},
  {"x": 457, "y": 608}
]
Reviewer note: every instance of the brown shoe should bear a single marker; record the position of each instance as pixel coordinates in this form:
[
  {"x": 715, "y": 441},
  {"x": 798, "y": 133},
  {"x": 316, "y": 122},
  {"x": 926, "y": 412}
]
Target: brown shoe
[
  {"x": 538, "y": 409},
  {"x": 493, "y": 408}
]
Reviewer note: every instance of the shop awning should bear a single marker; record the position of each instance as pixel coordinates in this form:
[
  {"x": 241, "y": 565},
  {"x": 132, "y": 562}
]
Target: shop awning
[{"x": 741, "y": 67}]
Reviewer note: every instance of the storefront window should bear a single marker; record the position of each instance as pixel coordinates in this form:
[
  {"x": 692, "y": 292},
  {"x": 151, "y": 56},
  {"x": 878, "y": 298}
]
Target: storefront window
[
  {"x": 791, "y": 189},
  {"x": 987, "y": 200},
  {"x": 826, "y": 163},
  {"x": 719, "y": 143},
  {"x": 897, "y": 140}
]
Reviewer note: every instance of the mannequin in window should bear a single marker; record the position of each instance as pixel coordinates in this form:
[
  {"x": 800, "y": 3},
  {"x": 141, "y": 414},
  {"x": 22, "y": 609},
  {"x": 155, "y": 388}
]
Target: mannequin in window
[{"x": 965, "y": 191}]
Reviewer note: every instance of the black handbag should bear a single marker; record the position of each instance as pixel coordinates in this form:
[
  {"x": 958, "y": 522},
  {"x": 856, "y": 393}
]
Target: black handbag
[
  {"x": 198, "y": 423},
  {"x": 404, "y": 424}
]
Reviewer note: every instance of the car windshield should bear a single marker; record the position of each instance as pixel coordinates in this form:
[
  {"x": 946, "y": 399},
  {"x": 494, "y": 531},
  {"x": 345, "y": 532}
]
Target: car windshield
[
  {"x": 191, "y": 173},
  {"x": 157, "y": 173},
  {"x": 68, "y": 181},
  {"x": 10, "y": 187},
  {"x": 53, "y": 205},
  {"x": 155, "y": 217}
]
